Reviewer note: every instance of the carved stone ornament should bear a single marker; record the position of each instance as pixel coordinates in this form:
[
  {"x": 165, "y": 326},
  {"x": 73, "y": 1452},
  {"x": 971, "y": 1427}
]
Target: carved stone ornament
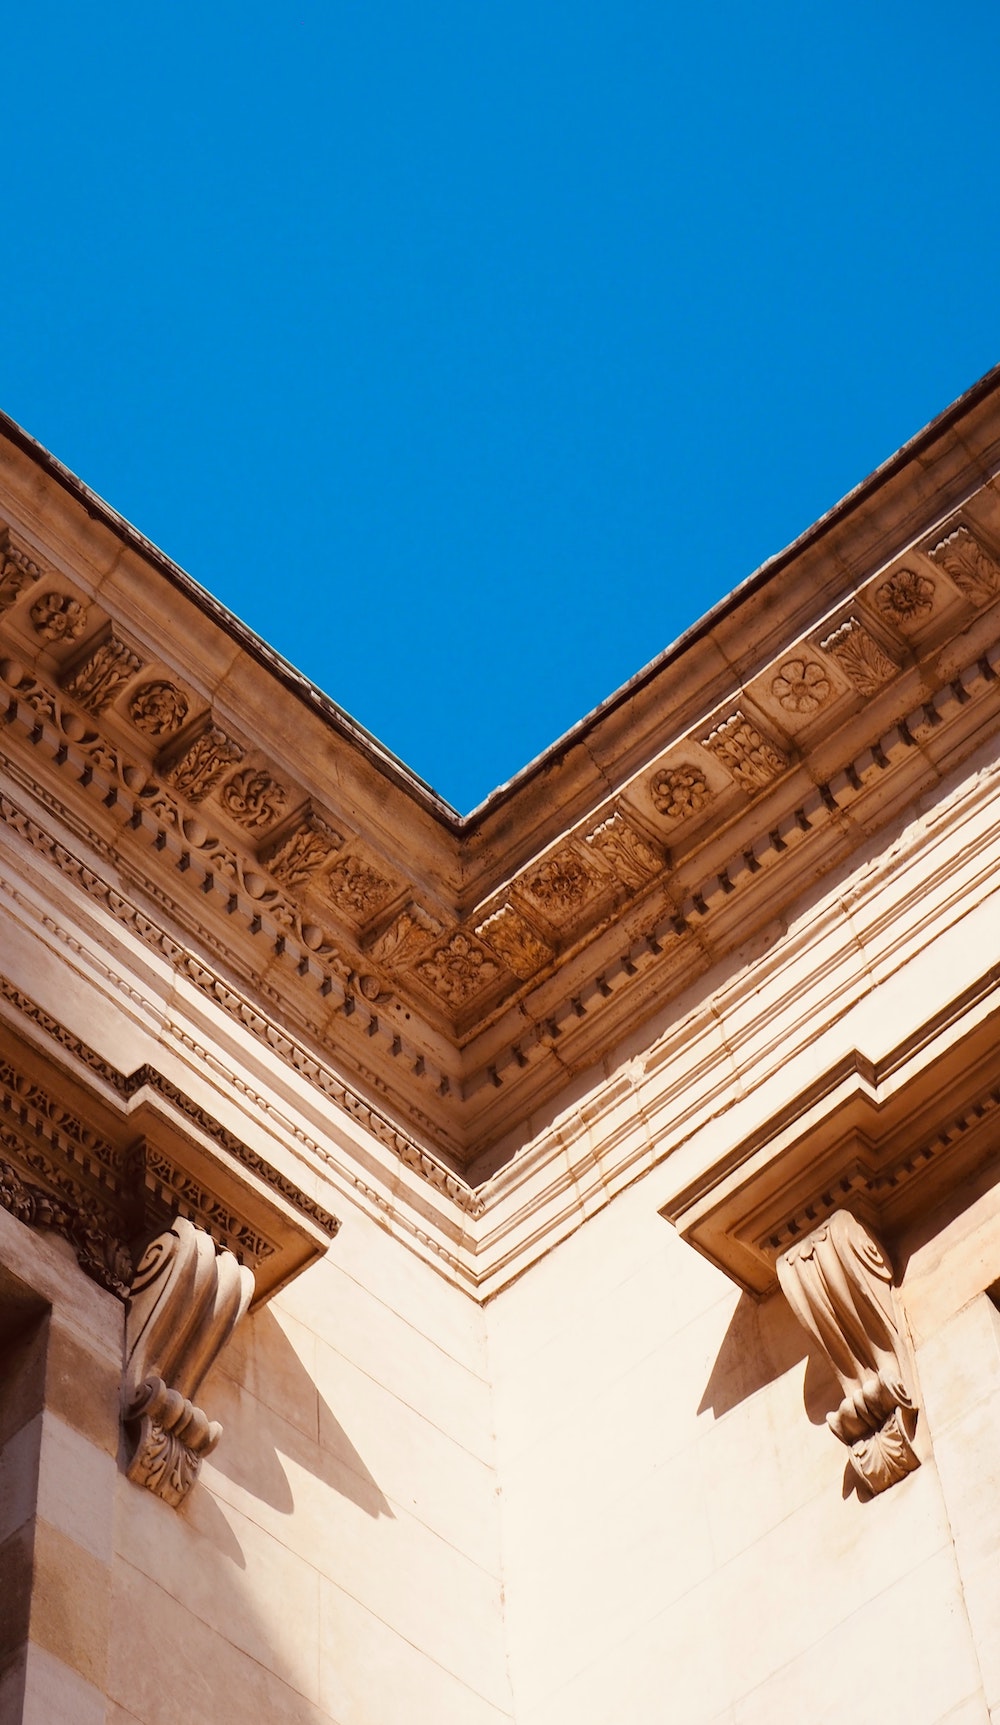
[
  {"x": 677, "y": 792},
  {"x": 975, "y": 573},
  {"x": 458, "y": 970},
  {"x": 406, "y": 936},
  {"x": 17, "y": 572},
  {"x": 863, "y": 660},
  {"x": 801, "y": 686},
  {"x": 751, "y": 757},
  {"x": 563, "y": 884},
  {"x": 296, "y": 857},
  {"x": 357, "y": 888},
  {"x": 99, "y": 678},
  {"x": 253, "y": 798},
  {"x": 838, "y": 1282},
  {"x": 619, "y": 845},
  {"x": 202, "y": 763},
  {"x": 186, "y": 1299},
  {"x": 158, "y": 708},
  {"x": 906, "y": 597},
  {"x": 58, "y": 617},
  {"x": 513, "y": 939}
]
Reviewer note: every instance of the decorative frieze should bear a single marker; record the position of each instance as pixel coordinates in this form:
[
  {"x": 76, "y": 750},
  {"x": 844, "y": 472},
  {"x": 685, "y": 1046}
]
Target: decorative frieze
[
  {"x": 58, "y": 617},
  {"x": 906, "y": 598},
  {"x": 625, "y": 853},
  {"x": 839, "y": 1283},
  {"x": 744, "y": 751},
  {"x": 185, "y": 1300},
  {"x": 512, "y": 938},
  {"x": 458, "y": 970},
  {"x": 202, "y": 763},
  {"x": 863, "y": 660},
  {"x": 297, "y": 855},
  {"x": 254, "y": 799},
  {"x": 158, "y": 708},
  {"x": 100, "y": 676}
]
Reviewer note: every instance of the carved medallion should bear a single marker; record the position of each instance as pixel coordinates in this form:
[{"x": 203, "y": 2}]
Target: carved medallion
[
  {"x": 801, "y": 686},
  {"x": 863, "y": 660},
  {"x": 513, "y": 939},
  {"x": 564, "y": 884},
  {"x": 677, "y": 792},
  {"x": 357, "y": 888},
  {"x": 974, "y": 572},
  {"x": 203, "y": 763},
  {"x": 629, "y": 856},
  {"x": 294, "y": 859},
  {"x": 253, "y": 798},
  {"x": 906, "y": 597},
  {"x": 58, "y": 617},
  {"x": 459, "y": 969},
  {"x": 158, "y": 708},
  {"x": 751, "y": 757},
  {"x": 99, "y": 678}
]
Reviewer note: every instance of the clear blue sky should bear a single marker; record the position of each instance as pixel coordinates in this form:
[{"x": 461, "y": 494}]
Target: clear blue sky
[{"x": 470, "y": 352}]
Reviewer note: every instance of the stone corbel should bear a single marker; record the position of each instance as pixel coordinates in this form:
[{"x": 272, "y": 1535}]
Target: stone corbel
[
  {"x": 839, "y": 1283},
  {"x": 185, "y": 1301}
]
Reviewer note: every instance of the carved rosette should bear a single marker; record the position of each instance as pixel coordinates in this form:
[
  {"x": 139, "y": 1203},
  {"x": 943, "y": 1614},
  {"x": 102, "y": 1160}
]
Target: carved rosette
[
  {"x": 459, "y": 969},
  {"x": 185, "y": 1301},
  {"x": 801, "y": 687},
  {"x": 677, "y": 792},
  {"x": 58, "y": 617},
  {"x": 863, "y": 660},
  {"x": 839, "y": 1283},
  {"x": 745, "y": 752},
  {"x": 253, "y": 798},
  {"x": 564, "y": 884},
  {"x": 356, "y": 888},
  {"x": 906, "y": 598},
  {"x": 158, "y": 708},
  {"x": 975, "y": 573}
]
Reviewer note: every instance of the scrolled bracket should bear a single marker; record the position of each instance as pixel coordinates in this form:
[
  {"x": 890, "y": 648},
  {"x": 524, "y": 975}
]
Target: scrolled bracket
[
  {"x": 185, "y": 1301},
  {"x": 839, "y": 1283}
]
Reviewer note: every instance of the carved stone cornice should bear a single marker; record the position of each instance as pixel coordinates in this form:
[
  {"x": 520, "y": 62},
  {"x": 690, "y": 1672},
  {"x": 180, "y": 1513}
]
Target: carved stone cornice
[
  {"x": 839, "y": 1283},
  {"x": 105, "y": 1158},
  {"x": 461, "y": 969},
  {"x": 185, "y": 1300}
]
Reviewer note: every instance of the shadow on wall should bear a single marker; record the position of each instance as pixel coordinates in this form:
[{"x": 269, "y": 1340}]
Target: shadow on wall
[
  {"x": 259, "y": 1369},
  {"x": 763, "y": 1342}
]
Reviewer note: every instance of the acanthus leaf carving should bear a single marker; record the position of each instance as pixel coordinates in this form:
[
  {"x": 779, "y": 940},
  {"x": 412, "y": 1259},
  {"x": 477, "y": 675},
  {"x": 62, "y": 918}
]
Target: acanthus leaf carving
[
  {"x": 975, "y": 573},
  {"x": 18, "y": 571},
  {"x": 864, "y": 661},
  {"x": 99, "y": 677},
  {"x": 406, "y": 936},
  {"x": 202, "y": 762},
  {"x": 185, "y": 1301},
  {"x": 294, "y": 858},
  {"x": 629, "y": 856},
  {"x": 513, "y": 939},
  {"x": 751, "y": 758},
  {"x": 839, "y": 1283}
]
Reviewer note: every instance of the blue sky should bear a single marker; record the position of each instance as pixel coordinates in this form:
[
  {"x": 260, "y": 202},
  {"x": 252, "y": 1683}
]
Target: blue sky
[{"x": 471, "y": 352}]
